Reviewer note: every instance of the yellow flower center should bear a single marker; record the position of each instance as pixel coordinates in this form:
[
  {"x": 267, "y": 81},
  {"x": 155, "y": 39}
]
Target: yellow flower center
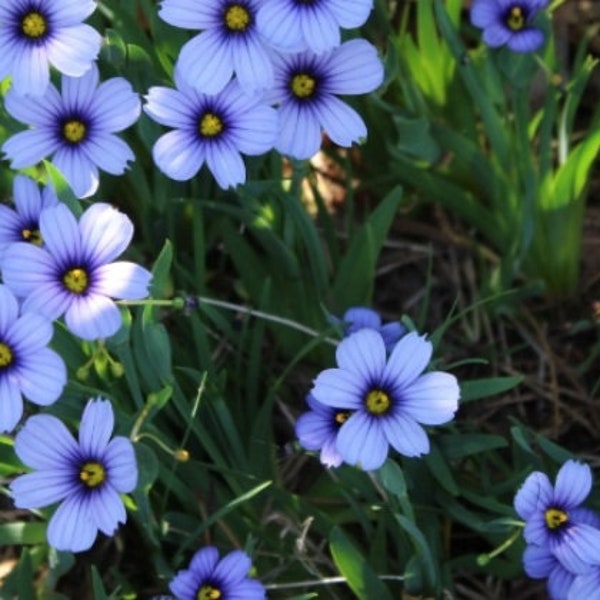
[
  {"x": 303, "y": 85},
  {"x": 34, "y": 25},
  {"x": 210, "y": 125},
  {"x": 555, "y": 518},
  {"x": 237, "y": 18},
  {"x": 6, "y": 355},
  {"x": 516, "y": 18},
  {"x": 74, "y": 131},
  {"x": 92, "y": 474},
  {"x": 33, "y": 236},
  {"x": 76, "y": 280},
  {"x": 342, "y": 417},
  {"x": 208, "y": 592},
  {"x": 378, "y": 402}
]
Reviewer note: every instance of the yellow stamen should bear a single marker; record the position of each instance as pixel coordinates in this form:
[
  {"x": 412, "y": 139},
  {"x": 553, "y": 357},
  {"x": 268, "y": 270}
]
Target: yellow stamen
[
  {"x": 76, "y": 280},
  {"x": 210, "y": 125},
  {"x": 34, "y": 25},
  {"x": 555, "y": 518},
  {"x": 92, "y": 474},
  {"x": 33, "y": 236},
  {"x": 74, "y": 131},
  {"x": 342, "y": 417},
  {"x": 237, "y": 18},
  {"x": 516, "y": 18},
  {"x": 208, "y": 592},
  {"x": 303, "y": 85},
  {"x": 6, "y": 355},
  {"x": 378, "y": 402}
]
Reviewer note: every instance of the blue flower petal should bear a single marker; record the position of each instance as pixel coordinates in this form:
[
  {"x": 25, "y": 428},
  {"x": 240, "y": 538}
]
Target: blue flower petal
[
  {"x": 405, "y": 435},
  {"x": 559, "y": 585},
  {"x": 408, "y": 360},
  {"x": 73, "y": 51},
  {"x": 96, "y": 427},
  {"x": 45, "y": 443},
  {"x": 31, "y": 73},
  {"x": 485, "y": 13},
  {"x": 211, "y": 74},
  {"x": 538, "y": 561},
  {"x": 178, "y": 155},
  {"x": 247, "y": 590},
  {"x": 536, "y": 531},
  {"x": 25, "y": 268},
  {"x": 42, "y": 488},
  {"x": 93, "y": 316},
  {"x": 108, "y": 152},
  {"x": 9, "y": 311},
  {"x": 340, "y": 388},
  {"x": 314, "y": 429},
  {"x": 115, "y": 105},
  {"x": 169, "y": 107},
  {"x": 496, "y": 35},
  {"x": 105, "y": 233},
  {"x": 226, "y": 165},
  {"x": 341, "y": 123},
  {"x": 119, "y": 459},
  {"x": 361, "y": 441},
  {"x": 42, "y": 376},
  {"x": 122, "y": 280},
  {"x": 363, "y": 353},
  {"x": 360, "y": 317},
  {"x": 33, "y": 110},
  {"x": 78, "y": 92},
  {"x": 527, "y": 40},
  {"x": 351, "y": 13},
  {"x": 432, "y": 399},
  {"x": 107, "y": 509},
  {"x": 72, "y": 527},
  {"x": 78, "y": 170},
  {"x": 252, "y": 65},
  {"x": 232, "y": 568},
  {"x": 319, "y": 28},
  {"x": 61, "y": 236},
  {"x": 583, "y": 587},
  {"x": 573, "y": 484},
  {"x": 577, "y": 548},
  {"x": 185, "y": 585},
  {"x": 256, "y": 130},
  {"x": 203, "y": 563},
  {"x": 189, "y": 15},
  {"x": 29, "y": 333},
  {"x": 28, "y": 148},
  {"x": 534, "y": 495},
  {"x": 11, "y": 406},
  {"x": 300, "y": 131},
  {"x": 279, "y": 25}
]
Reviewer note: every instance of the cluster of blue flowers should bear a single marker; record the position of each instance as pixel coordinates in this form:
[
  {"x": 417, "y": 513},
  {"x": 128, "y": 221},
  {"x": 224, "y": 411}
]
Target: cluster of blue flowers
[
  {"x": 378, "y": 396},
  {"x": 563, "y": 537}
]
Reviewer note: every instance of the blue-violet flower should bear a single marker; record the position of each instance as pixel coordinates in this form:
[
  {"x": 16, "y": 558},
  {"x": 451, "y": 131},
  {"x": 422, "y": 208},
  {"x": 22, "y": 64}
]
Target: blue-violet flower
[
  {"x": 35, "y": 34},
  {"x": 208, "y": 578},
  {"x": 509, "y": 22},
  {"x": 554, "y": 518},
  {"x": 76, "y": 128},
  {"x": 74, "y": 273},
  {"x": 27, "y": 366},
  {"x": 306, "y": 89},
  {"x": 85, "y": 476},
  {"x": 209, "y": 129},
  {"x": 229, "y": 44},
  {"x": 389, "y": 397}
]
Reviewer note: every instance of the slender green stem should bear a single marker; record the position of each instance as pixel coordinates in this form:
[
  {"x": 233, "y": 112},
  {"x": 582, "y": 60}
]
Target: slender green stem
[{"x": 325, "y": 581}]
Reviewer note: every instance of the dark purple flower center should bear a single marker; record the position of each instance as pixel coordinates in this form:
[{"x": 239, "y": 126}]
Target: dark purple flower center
[
  {"x": 33, "y": 25},
  {"x": 237, "y": 18},
  {"x": 76, "y": 280},
  {"x": 515, "y": 17},
  {"x": 303, "y": 85},
  {"x": 92, "y": 474},
  {"x": 556, "y": 518},
  {"x": 6, "y": 356},
  {"x": 74, "y": 130},
  {"x": 208, "y": 592},
  {"x": 210, "y": 124},
  {"x": 378, "y": 402}
]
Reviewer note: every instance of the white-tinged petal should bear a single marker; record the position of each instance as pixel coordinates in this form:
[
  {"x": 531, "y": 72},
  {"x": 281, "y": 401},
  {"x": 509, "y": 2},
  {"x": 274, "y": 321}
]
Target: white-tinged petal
[
  {"x": 93, "y": 316},
  {"x": 73, "y": 50},
  {"x": 122, "y": 280},
  {"x": 170, "y": 107},
  {"x": 105, "y": 233},
  {"x": 65, "y": 13},
  {"x": 78, "y": 170},
  {"x": 432, "y": 399},
  {"x": 178, "y": 154},
  {"x": 72, "y": 527}
]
